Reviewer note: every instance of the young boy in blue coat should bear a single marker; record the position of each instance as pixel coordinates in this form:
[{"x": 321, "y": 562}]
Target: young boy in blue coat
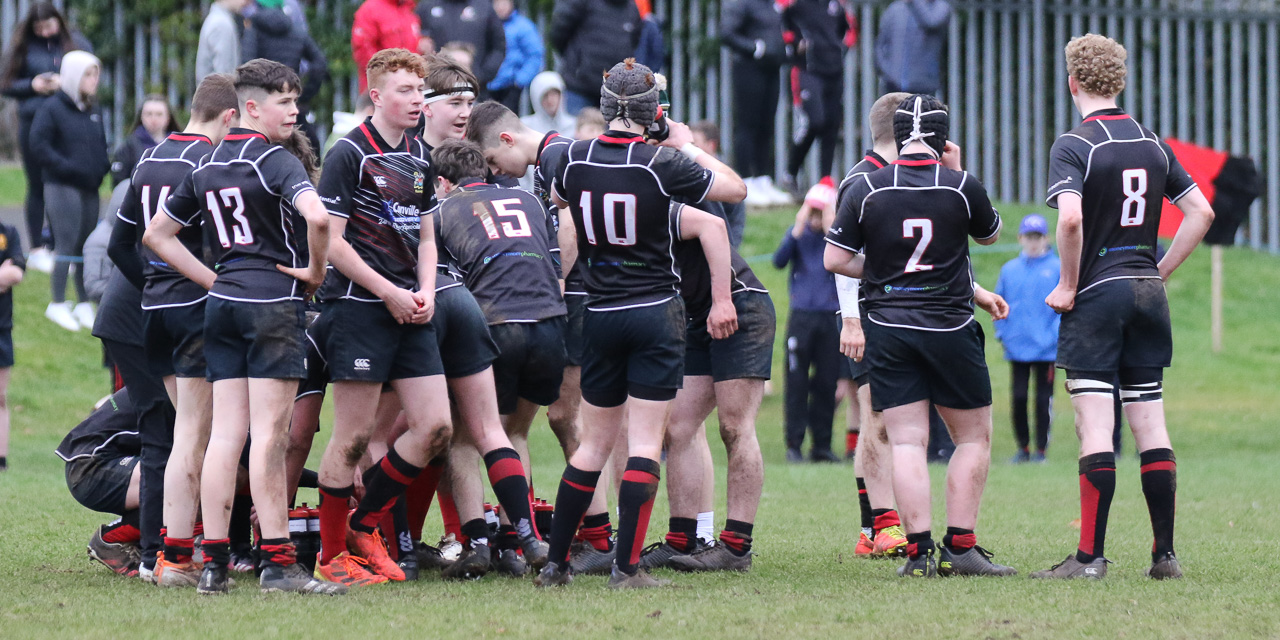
[{"x": 1030, "y": 333}]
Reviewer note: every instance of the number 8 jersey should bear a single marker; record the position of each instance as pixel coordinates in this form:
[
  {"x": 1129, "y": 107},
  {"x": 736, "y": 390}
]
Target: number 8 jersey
[
  {"x": 619, "y": 190},
  {"x": 243, "y": 194},
  {"x": 1122, "y": 173}
]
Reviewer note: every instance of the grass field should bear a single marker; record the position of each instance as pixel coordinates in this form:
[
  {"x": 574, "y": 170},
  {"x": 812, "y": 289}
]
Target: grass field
[{"x": 1223, "y": 413}]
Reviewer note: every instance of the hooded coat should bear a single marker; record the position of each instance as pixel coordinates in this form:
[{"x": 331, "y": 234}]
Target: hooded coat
[
  {"x": 592, "y": 36},
  {"x": 67, "y": 138},
  {"x": 273, "y": 35},
  {"x": 540, "y": 120}
]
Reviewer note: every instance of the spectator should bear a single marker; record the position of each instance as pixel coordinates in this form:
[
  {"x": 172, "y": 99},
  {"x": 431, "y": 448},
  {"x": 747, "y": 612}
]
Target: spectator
[
  {"x": 818, "y": 31},
  {"x": 1030, "y": 333},
  {"x": 72, "y": 153},
  {"x": 549, "y": 114},
  {"x": 384, "y": 24},
  {"x": 706, "y": 136},
  {"x": 154, "y": 121},
  {"x": 524, "y": 56},
  {"x": 292, "y": 8},
  {"x": 591, "y": 36},
  {"x": 470, "y": 21},
  {"x": 274, "y": 36},
  {"x": 590, "y": 124},
  {"x": 910, "y": 43},
  {"x": 219, "y": 48},
  {"x": 12, "y": 268},
  {"x": 652, "y": 51},
  {"x": 752, "y": 31},
  {"x": 30, "y": 75},
  {"x": 463, "y": 53},
  {"x": 813, "y": 329},
  {"x": 344, "y": 122}
]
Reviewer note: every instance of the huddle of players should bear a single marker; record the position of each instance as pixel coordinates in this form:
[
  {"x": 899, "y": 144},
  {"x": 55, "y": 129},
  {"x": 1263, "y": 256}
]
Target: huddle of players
[{"x": 903, "y": 228}]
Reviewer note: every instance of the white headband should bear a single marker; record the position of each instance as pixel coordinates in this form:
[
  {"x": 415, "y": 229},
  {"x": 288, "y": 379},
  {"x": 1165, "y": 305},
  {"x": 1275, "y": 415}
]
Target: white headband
[{"x": 459, "y": 89}]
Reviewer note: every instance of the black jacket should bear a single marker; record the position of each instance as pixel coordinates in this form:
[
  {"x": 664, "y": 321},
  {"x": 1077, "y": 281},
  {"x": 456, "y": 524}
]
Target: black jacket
[
  {"x": 592, "y": 36},
  {"x": 821, "y": 25},
  {"x": 745, "y": 22},
  {"x": 69, "y": 144},
  {"x": 274, "y": 36},
  {"x": 127, "y": 155},
  {"x": 42, "y": 56},
  {"x": 471, "y": 21}
]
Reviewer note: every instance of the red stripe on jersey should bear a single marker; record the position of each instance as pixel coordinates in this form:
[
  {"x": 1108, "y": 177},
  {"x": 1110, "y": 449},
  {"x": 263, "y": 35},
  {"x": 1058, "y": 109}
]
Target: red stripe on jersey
[
  {"x": 915, "y": 163},
  {"x": 614, "y": 140},
  {"x": 245, "y": 136},
  {"x": 1113, "y": 117},
  {"x": 872, "y": 160},
  {"x": 189, "y": 137},
  {"x": 364, "y": 128}
]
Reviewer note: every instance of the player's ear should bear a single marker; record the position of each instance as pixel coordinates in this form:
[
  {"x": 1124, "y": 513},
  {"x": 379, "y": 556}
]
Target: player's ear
[
  {"x": 507, "y": 139},
  {"x": 375, "y": 96},
  {"x": 1073, "y": 86}
]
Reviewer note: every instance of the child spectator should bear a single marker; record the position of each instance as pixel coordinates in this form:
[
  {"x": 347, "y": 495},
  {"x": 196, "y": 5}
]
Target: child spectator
[
  {"x": 12, "y": 268},
  {"x": 590, "y": 124},
  {"x": 547, "y": 94},
  {"x": 813, "y": 328},
  {"x": 1030, "y": 333},
  {"x": 154, "y": 121}
]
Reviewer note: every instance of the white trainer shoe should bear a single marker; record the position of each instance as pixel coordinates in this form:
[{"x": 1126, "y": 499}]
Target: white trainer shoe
[
  {"x": 40, "y": 259},
  {"x": 60, "y": 314},
  {"x": 84, "y": 314}
]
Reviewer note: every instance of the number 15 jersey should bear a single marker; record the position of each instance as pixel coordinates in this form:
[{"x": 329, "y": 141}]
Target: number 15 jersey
[{"x": 1122, "y": 173}]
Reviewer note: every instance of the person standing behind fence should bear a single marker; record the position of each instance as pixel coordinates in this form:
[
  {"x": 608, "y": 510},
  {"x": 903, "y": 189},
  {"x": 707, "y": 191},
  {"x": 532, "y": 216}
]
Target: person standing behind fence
[
  {"x": 384, "y": 24},
  {"x": 910, "y": 43},
  {"x": 155, "y": 121},
  {"x": 1030, "y": 333},
  {"x": 752, "y": 31},
  {"x": 71, "y": 149},
  {"x": 30, "y": 76},
  {"x": 471, "y": 21},
  {"x": 524, "y": 56},
  {"x": 273, "y": 35},
  {"x": 817, "y": 32},
  {"x": 218, "y": 50},
  {"x": 591, "y": 36}
]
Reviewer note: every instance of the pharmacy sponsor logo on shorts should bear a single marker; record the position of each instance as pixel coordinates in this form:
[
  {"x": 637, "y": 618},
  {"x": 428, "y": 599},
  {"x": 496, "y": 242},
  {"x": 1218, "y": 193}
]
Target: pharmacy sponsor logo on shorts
[{"x": 361, "y": 364}]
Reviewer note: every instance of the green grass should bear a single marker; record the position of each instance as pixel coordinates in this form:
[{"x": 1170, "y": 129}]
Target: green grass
[
  {"x": 1223, "y": 410},
  {"x": 13, "y": 185}
]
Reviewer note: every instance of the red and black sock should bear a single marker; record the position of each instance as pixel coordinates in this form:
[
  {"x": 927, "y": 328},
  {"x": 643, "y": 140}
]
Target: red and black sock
[
  {"x": 334, "y": 507},
  {"x": 850, "y": 443},
  {"x": 476, "y": 532},
  {"x": 507, "y": 538},
  {"x": 864, "y": 504},
  {"x": 398, "y": 530},
  {"x": 919, "y": 544},
  {"x": 883, "y": 519},
  {"x": 421, "y": 491},
  {"x": 681, "y": 532},
  {"x": 635, "y": 503},
  {"x": 597, "y": 531},
  {"x": 277, "y": 551},
  {"x": 1097, "y": 487},
  {"x": 391, "y": 476},
  {"x": 1160, "y": 486},
  {"x": 572, "y": 501},
  {"x": 124, "y": 530},
  {"x": 449, "y": 516},
  {"x": 217, "y": 552},
  {"x": 179, "y": 550},
  {"x": 506, "y": 476},
  {"x": 736, "y": 536},
  {"x": 959, "y": 540}
]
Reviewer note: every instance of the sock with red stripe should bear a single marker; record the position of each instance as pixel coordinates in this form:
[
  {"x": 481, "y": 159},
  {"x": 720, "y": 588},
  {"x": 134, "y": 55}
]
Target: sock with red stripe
[
  {"x": 1160, "y": 486},
  {"x": 681, "y": 532},
  {"x": 736, "y": 536},
  {"x": 420, "y": 493},
  {"x": 850, "y": 442},
  {"x": 277, "y": 551},
  {"x": 635, "y": 503},
  {"x": 1097, "y": 486},
  {"x": 919, "y": 544},
  {"x": 217, "y": 552},
  {"x": 449, "y": 516},
  {"x": 124, "y": 530},
  {"x": 959, "y": 540},
  {"x": 391, "y": 476},
  {"x": 179, "y": 550},
  {"x": 506, "y": 476},
  {"x": 883, "y": 519},
  {"x": 597, "y": 531},
  {"x": 864, "y": 504},
  {"x": 334, "y": 507},
  {"x": 572, "y": 501}
]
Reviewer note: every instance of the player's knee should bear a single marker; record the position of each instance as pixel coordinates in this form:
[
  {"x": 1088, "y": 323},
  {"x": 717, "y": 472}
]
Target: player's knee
[
  {"x": 1081, "y": 384},
  {"x": 355, "y": 450},
  {"x": 440, "y": 435}
]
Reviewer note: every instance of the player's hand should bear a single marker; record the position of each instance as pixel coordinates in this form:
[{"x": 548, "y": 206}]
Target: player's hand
[
  {"x": 1061, "y": 299},
  {"x": 401, "y": 303},
  {"x": 722, "y": 322},
  {"x": 992, "y": 303},
  {"x": 853, "y": 342},
  {"x": 951, "y": 156},
  {"x": 426, "y": 308},
  {"x": 357, "y": 485},
  {"x": 680, "y": 135},
  {"x": 311, "y": 279}
]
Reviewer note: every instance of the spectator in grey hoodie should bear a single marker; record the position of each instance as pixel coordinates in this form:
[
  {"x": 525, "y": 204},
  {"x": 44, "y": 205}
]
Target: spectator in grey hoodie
[
  {"x": 909, "y": 45},
  {"x": 219, "y": 48}
]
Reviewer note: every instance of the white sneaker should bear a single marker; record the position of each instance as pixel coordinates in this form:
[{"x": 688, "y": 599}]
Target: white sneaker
[
  {"x": 148, "y": 575},
  {"x": 776, "y": 196},
  {"x": 85, "y": 315},
  {"x": 40, "y": 259},
  {"x": 757, "y": 196},
  {"x": 60, "y": 313}
]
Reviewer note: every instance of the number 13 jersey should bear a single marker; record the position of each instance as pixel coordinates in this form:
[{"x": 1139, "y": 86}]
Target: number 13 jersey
[
  {"x": 619, "y": 190},
  {"x": 1122, "y": 173},
  {"x": 245, "y": 190}
]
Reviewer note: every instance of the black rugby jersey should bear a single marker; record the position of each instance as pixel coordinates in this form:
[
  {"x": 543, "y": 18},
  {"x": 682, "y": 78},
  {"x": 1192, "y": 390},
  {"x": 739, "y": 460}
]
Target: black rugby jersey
[
  {"x": 912, "y": 219},
  {"x": 1122, "y": 173},
  {"x": 871, "y": 161},
  {"x": 243, "y": 195},
  {"x": 156, "y": 176},
  {"x": 383, "y": 192},
  {"x": 550, "y": 158},
  {"x": 500, "y": 240},
  {"x": 619, "y": 190},
  {"x": 110, "y": 431},
  {"x": 695, "y": 272}
]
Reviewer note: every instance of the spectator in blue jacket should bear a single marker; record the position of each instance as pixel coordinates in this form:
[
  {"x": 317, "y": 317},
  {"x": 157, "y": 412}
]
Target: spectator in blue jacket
[
  {"x": 1030, "y": 333},
  {"x": 524, "y": 56},
  {"x": 909, "y": 45},
  {"x": 813, "y": 328}
]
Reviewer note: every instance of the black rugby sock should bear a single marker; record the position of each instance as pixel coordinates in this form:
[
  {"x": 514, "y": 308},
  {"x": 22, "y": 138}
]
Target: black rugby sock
[{"x": 1160, "y": 486}]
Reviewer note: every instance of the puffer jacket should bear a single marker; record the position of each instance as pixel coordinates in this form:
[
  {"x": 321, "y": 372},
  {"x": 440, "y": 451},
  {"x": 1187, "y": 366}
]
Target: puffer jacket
[{"x": 592, "y": 36}]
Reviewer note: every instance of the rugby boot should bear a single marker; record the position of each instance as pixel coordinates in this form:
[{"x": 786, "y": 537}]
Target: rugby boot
[
  {"x": 974, "y": 562},
  {"x": 121, "y": 558},
  {"x": 370, "y": 547},
  {"x": 638, "y": 580},
  {"x": 510, "y": 564},
  {"x": 429, "y": 557},
  {"x": 176, "y": 574},
  {"x": 1165, "y": 568},
  {"x": 213, "y": 580},
  {"x": 922, "y": 566},
  {"x": 585, "y": 559},
  {"x": 536, "y": 552},
  {"x": 712, "y": 558},
  {"x": 294, "y": 578},
  {"x": 1072, "y": 568},
  {"x": 865, "y": 546},
  {"x": 409, "y": 565},
  {"x": 553, "y": 576},
  {"x": 473, "y": 564},
  {"x": 346, "y": 569},
  {"x": 891, "y": 541},
  {"x": 659, "y": 555}
]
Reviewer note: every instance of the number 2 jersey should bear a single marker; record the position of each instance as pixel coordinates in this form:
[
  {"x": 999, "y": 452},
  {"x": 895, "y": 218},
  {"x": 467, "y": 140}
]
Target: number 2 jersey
[
  {"x": 913, "y": 220},
  {"x": 243, "y": 195},
  {"x": 619, "y": 190},
  {"x": 1122, "y": 173}
]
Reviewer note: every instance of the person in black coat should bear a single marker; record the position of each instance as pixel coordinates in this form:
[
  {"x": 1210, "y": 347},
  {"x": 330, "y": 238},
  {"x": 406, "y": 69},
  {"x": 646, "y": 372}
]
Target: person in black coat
[
  {"x": 70, "y": 146},
  {"x": 752, "y": 30},
  {"x": 30, "y": 76},
  {"x": 473, "y": 22},
  {"x": 273, "y": 35},
  {"x": 592, "y": 36},
  {"x": 154, "y": 121}
]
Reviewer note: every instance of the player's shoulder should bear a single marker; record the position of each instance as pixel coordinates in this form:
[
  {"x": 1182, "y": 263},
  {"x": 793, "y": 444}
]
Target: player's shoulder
[{"x": 1084, "y": 137}]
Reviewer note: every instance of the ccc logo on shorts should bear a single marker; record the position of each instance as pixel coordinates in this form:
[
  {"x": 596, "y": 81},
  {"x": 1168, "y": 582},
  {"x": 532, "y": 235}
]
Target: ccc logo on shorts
[{"x": 362, "y": 364}]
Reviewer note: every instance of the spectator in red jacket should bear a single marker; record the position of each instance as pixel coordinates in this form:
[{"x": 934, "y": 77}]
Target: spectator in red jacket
[{"x": 384, "y": 24}]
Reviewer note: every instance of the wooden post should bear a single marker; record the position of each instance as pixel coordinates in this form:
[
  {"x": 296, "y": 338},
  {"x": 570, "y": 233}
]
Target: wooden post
[{"x": 1215, "y": 297}]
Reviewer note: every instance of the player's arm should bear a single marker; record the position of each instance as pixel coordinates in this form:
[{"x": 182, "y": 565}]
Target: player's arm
[
  {"x": 843, "y": 255},
  {"x": 182, "y": 209},
  {"x": 10, "y": 275},
  {"x": 1070, "y": 238},
  {"x": 567, "y": 236},
  {"x": 852, "y": 341},
  {"x": 992, "y": 303},
  {"x": 1197, "y": 216},
  {"x": 428, "y": 256},
  {"x": 712, "y": 234},
  {"x": 727, "y": 186},
  {"x": 122, "y": 248},
  {"x": 401, "y": 303},
  {"x": 312, "y": 209}
]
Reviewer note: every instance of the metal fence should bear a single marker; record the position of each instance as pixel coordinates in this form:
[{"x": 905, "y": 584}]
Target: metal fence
[{"x": 1204, "y": 71}]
